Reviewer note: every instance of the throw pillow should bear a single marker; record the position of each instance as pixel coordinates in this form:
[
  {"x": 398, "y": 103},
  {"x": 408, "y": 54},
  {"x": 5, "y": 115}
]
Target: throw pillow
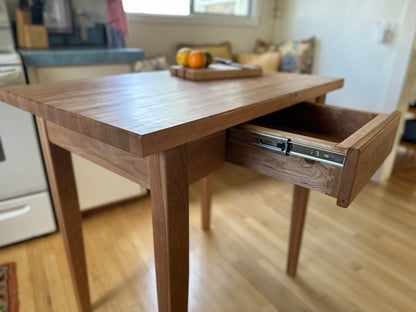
[
  {"x": 216, "y": 50},
  {"x": 268, "y": 61},
  {"x": 261, "y": 46},
  {"x": 296, "y": 55},
  {"x": 151, "y": 64}
]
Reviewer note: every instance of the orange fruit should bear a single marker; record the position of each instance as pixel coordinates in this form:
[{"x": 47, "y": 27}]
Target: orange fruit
[{"x": 197, "y": 59}]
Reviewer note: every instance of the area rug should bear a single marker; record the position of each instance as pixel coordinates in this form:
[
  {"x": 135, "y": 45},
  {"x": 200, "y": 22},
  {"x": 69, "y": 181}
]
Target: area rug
[{"x": 8, "y": 288}]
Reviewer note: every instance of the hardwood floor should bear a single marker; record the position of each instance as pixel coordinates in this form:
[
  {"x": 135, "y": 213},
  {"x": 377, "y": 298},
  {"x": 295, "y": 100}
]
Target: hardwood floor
[
  {"x": 405, "y": 166},
  {"x": 358, "y": 259}
]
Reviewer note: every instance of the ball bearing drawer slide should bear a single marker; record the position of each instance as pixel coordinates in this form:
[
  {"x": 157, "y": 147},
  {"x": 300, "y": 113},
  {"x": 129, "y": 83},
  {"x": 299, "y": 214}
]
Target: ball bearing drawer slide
[{"x": 286, "y": 146}]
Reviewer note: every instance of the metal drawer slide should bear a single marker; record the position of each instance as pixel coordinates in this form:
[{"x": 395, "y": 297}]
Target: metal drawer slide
[{"x": 285, "y": 146}]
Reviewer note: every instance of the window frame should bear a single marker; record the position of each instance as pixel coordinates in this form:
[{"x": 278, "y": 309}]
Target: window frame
[{"x": 251, "y": 20}]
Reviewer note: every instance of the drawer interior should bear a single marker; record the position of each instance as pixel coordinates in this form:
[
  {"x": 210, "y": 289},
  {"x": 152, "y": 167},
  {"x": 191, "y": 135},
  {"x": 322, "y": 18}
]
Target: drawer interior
[
  {"x": 331, "y": 123},
  {"x": 326, "y": 148}
]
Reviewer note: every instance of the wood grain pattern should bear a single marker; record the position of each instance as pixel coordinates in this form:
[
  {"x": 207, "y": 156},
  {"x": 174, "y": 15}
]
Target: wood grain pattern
[
  {"x": 65, "y": 200},
  {"x": 365, "y": 156},
  {"x": 297, "y": 221},
  {"x": 206, "y": 196},
  {"x": 132, "y": 167},
  {"x": 360, "y": 259},
  {"x": 316, "y": 120},
  {"x": 214, "y": 72},
  {"x": 365, "y": 139},
  {"x": 206, "y": 155},
  {"x": 368, "y": 129},
  {"x": 316, "y": 176},
  {"x": 170, "y": 218},
  {"x": 145, "y": 113},
  {"x": 248, "y": 133},
  {"x": 320, "y": 99},
  {"x": 156, "y": 115}
]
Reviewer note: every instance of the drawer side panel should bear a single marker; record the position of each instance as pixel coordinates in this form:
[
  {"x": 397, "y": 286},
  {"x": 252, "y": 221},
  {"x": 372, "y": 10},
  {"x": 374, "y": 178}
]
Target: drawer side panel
[{"x": 316, "y": 176}]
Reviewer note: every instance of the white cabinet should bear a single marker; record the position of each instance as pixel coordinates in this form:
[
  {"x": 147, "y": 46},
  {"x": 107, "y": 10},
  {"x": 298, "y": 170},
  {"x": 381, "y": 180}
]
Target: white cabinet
[{"x": 96, "y": 186}]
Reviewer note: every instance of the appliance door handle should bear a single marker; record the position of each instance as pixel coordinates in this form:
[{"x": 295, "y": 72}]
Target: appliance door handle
[{"x": 14, "y": 212}]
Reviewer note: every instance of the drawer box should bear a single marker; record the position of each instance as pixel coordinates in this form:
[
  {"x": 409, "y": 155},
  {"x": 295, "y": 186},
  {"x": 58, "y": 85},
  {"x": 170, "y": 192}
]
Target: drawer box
[{"x": 325, "y": 148}]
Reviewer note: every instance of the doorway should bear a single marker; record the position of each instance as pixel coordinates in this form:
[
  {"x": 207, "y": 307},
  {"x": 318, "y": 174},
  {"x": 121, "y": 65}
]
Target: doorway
[{"x": 405, "y": 162}]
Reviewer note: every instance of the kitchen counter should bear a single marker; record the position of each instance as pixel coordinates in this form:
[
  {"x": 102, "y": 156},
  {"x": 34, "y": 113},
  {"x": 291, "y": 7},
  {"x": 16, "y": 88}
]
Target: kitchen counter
[{"x": 76, "y": 56}]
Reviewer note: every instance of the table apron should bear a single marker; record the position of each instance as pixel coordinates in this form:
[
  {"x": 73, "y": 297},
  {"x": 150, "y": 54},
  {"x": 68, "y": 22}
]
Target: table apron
[{"x": 206, "y": 155}]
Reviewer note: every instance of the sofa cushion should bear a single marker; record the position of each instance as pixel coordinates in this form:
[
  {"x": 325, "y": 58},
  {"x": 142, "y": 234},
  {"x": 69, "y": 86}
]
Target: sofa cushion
[
  {"x": 268, "y": 61},
  {"x": 216, "y": 50}
]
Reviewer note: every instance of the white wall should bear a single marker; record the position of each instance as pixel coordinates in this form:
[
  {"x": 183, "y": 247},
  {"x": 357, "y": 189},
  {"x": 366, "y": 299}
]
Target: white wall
[
  {"x": 346, "y": 46},
  {"x": 162, "y": 38}
]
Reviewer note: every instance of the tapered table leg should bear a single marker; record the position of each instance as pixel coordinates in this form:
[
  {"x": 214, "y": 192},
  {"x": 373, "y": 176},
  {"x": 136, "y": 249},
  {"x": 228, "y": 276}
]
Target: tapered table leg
[
  {"x": 206, "y": 195},
  {"x": 170, "y": 215},
  {"x": 299, "y": 204},
  {"x": 65, "y": 200}
]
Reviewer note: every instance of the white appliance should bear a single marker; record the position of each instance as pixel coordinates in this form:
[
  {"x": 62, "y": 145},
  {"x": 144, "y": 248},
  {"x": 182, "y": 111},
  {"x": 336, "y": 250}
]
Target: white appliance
[
  {"x": 25, "y": 206},
  {"x": 6, "y": 38}
]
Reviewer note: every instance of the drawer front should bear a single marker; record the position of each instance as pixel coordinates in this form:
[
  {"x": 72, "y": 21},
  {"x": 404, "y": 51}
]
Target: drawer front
[
  {"x": 366, "y": 154},
  {"x": 324, "y": 150}
]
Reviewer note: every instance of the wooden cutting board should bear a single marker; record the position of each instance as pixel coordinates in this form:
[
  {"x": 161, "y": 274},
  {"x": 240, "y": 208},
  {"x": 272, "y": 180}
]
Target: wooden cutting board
[{"x": 214, "y": 71}]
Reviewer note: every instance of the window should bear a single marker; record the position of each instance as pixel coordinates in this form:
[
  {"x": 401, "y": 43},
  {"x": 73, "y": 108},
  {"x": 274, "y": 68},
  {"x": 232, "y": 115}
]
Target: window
[
  {"x": 189, "y": 7},
  {"x": 230, "y": 7},
  {"x": 157, "y": 7}
]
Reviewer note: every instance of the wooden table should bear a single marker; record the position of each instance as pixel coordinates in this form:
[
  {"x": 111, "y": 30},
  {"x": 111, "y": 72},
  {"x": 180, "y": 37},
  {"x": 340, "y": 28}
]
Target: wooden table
[{"x": 161, "y": 132}]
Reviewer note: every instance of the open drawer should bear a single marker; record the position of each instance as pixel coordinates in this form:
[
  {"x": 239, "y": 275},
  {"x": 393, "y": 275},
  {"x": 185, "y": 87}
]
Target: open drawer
[{"x": 325, "y": 148}]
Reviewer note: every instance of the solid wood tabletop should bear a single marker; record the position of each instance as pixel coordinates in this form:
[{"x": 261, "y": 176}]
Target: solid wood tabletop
[{"x": 145, "y": 113}]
